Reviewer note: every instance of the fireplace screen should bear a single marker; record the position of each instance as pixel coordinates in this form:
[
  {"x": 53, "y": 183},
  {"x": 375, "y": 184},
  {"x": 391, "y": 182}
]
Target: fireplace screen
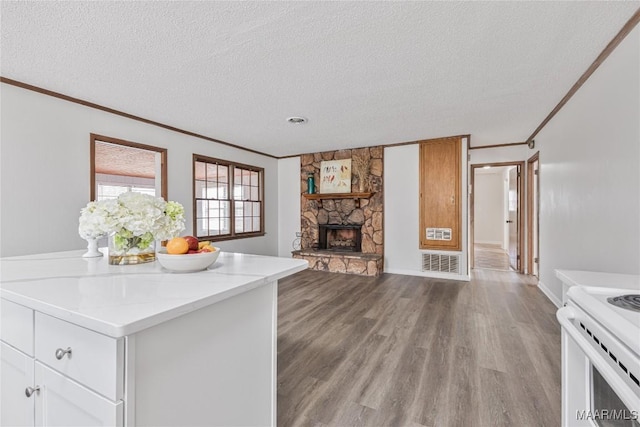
[{"x": 347, "y": 238}]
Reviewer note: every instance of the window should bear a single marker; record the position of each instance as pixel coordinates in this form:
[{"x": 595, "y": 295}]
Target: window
[
  {"x": 118, "y": 166},
  {"x": 228, "y": 199}
]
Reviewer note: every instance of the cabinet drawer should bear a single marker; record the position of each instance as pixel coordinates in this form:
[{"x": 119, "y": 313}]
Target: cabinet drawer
[
  {"x": 16, "y": 326},
  {"x": 94, "y": 360}
]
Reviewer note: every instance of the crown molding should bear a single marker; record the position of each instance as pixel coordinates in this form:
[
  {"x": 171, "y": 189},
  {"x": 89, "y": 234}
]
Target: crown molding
[
  {"x": 123, "y": 114},
  {"x": 624, "y": 32}
]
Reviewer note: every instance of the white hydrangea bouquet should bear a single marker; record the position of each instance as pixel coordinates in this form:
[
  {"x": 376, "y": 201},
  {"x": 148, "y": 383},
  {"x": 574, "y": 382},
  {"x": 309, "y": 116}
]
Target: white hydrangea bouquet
[{"x": 133, "y": 221}]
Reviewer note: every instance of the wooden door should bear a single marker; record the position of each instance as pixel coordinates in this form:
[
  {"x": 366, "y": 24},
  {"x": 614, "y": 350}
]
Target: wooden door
[
  {"x": 17, "y": 375},
  {"x": 440, "y": 217}
]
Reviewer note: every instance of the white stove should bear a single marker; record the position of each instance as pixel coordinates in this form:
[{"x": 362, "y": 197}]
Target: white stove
[{"x": 600, "y": 358}]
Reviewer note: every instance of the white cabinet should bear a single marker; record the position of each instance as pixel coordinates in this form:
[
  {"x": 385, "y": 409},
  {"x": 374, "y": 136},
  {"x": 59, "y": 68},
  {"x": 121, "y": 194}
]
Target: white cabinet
[
  {"x": 61, "y": 401},
  {"x": 214, "y": 366},
  {"x": 16, "y": 368},
  {"x": 16, "y": 326},
  {"x": 136, "y": 346},
  {"x": 65, "y": 393},
  {"x": 76, "y": 352}
]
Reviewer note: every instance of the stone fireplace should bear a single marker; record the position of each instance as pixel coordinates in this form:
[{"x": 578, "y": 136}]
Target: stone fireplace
[
  {"x": 343, "y": 233},
  {"x": 340, "y": 238}
]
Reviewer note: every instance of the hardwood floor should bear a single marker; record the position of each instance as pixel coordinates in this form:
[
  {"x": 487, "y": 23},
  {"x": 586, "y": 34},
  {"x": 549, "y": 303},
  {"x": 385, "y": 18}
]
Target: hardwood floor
[
  {"x": 490, "y": 256},
  {"x": 410, "y": 351}
]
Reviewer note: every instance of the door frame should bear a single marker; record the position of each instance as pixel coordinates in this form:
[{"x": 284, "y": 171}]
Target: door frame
[
  {"x": 520, "y": 225},
  {"x": 530, "y": 236}
]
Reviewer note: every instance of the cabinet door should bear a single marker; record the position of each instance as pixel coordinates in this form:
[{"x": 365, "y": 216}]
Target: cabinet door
[
  {"x": 440, "y": 176},
  {"x": 63, "y": 402},
  {"x": 16, "y": 409},
  {"x": 16, "y": 326}
]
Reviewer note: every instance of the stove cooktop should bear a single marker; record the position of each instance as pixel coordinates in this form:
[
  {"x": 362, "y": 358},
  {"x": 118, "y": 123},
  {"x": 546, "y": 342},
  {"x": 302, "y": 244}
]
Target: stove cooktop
[
  {"x": 629, "y": 302},
  {"x": 622, "y": 322}
]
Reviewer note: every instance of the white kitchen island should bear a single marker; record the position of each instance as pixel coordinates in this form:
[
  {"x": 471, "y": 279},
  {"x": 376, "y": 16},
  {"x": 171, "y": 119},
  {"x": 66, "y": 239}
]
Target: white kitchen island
[{"x": 95, "y": 344}]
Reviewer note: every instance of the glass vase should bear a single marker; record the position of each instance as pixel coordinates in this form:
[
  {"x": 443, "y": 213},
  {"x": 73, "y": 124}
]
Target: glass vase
[{"x": 127, "y": 249}]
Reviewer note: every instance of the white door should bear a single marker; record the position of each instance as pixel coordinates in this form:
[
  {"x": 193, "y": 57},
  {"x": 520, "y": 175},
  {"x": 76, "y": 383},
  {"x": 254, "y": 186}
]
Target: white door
[
  {"x": 513, "y": 221},
  {"x": 16, "y": 368},
  {"x": 535, "y": 234},
  {"x": 63, "y": 402}
]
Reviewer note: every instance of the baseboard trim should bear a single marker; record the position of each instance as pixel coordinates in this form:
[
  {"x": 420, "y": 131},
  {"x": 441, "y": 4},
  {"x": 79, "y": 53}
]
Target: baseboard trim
[
  {"x": 431, "y": 274},
  {"x": 490, "y": 242},
  {"x": 547, "y": 292}
]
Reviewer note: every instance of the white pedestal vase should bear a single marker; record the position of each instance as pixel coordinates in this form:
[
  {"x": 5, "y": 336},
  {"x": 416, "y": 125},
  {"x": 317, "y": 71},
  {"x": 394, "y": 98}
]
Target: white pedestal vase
[{"x": 92, "y": 248}]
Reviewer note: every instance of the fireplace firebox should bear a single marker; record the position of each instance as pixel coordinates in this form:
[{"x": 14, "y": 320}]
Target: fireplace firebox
[{"x": 340, "y": 238}]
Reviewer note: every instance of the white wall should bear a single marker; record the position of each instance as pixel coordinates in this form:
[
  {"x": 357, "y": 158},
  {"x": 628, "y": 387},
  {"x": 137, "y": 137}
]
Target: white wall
[
  {"x": 44, "y": 173},
  {"x": 589, "y": 174},
  {"x": 514, "y": 153},
  {"x": 401, "y": 213},
  {"x": 288, "y": 204},
  {"x": 489, "y": 208},
  {"x": 401, "y": 209}
]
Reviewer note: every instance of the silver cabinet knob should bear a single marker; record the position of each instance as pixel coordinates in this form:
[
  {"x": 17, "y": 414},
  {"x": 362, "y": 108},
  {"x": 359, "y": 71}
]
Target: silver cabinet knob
[
  {"x": 30, "y": 390},
  {"x": 60, "y": 353}
]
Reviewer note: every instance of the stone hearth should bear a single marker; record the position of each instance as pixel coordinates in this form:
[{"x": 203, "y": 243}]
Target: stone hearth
[
  {"x": 365, "y": 212},
  {"x": 342, "y": 262}
]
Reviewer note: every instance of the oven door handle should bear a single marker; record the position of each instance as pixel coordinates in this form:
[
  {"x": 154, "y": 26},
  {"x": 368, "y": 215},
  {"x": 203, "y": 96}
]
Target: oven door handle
[{"x": 565, "y": 315}]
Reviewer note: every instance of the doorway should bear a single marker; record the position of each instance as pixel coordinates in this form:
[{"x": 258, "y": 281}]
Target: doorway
[
  {"x": 533, "y": 209},
  {"x": 496, "y": 217}
]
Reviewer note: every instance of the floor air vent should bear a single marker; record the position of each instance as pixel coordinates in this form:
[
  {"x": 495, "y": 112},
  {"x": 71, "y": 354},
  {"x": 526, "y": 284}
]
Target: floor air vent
[{"x": 441, "y": 263}]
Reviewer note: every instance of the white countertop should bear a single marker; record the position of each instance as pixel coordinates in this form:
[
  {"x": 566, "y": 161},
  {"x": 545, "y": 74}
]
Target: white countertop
[
  {"x": 598, "y": 279},
  {"x": 121, "y": 300}
]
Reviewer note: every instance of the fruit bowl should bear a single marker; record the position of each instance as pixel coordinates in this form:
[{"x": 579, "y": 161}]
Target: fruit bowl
[{"x": 187, "y": 263}]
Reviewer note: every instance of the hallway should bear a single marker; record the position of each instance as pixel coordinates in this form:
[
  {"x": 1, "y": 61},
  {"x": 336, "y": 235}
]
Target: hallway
[{"x": 490, "y": 256}]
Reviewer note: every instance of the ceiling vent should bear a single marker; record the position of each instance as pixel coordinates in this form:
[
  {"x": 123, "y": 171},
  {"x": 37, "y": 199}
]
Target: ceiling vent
[{"x": 441, "y": 263}]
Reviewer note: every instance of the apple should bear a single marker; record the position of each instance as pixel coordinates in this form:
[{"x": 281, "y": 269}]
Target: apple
[
  {"x": 193, "y": 242},
  {"x": 191, "y": 251}
]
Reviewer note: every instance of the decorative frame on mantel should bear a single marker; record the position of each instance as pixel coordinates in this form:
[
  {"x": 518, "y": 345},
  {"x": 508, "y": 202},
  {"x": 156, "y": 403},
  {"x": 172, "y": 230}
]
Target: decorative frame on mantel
[{"x": 335, "y": 176}]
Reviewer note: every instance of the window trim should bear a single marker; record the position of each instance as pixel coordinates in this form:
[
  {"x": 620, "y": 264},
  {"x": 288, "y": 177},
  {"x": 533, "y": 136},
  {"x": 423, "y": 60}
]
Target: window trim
[
  {"x": 101, "y": 138},
  {"x": 232, "y": 235}
]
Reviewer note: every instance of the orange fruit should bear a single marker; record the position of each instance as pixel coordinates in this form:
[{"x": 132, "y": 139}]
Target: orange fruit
[{"x": 177, "y": 246}]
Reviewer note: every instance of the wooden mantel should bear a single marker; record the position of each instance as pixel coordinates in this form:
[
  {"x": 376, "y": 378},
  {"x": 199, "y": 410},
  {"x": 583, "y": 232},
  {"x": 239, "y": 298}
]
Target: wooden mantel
[{"x": 319, "y": 196}]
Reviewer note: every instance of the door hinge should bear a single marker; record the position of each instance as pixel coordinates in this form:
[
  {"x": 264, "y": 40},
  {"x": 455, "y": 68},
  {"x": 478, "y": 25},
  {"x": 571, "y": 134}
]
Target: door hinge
[
  {"x": 518, "y": 257},
  {"x": 536, "y": 260},
  {"x": 535, "y": 172},
  {"x": 469, "y": 157}
]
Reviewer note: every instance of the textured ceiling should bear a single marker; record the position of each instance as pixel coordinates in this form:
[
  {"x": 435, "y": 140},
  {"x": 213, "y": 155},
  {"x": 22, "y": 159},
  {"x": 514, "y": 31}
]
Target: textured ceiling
[
  {"x": 116, "y": 159},
  {"x": 363, "y": 73}
]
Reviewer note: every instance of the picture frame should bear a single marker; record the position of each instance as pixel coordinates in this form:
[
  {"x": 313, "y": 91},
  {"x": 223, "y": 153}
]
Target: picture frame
[{"x": 335, "y": 176}]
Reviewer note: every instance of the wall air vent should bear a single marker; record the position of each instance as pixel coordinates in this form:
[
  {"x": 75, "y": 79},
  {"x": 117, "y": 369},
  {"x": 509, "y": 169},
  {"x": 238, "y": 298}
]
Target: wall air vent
[{"x": 441, "y": 263}]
